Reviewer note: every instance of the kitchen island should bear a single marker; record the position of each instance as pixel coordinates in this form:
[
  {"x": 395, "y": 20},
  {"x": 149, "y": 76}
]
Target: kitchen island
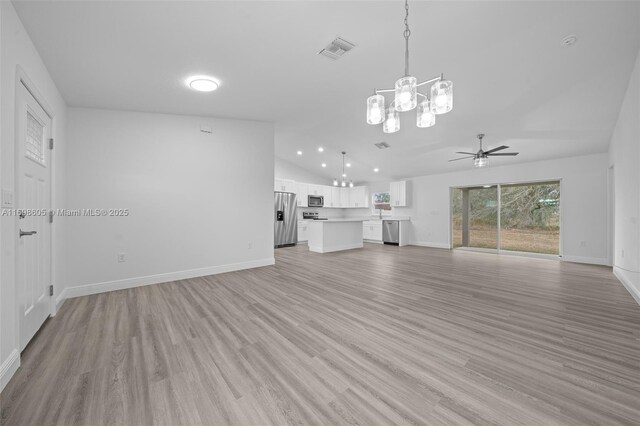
[{"x": 334, "y": 235}]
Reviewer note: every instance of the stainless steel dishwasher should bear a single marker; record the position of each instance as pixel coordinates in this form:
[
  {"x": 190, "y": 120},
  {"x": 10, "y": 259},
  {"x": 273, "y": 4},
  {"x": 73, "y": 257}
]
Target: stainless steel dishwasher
[{"x": 391, "y": 232}]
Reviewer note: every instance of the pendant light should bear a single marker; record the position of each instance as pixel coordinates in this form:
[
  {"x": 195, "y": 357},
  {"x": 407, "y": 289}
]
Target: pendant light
[
  {"x": 343, "y": 181},
  {"x": 439, "y": 99}
]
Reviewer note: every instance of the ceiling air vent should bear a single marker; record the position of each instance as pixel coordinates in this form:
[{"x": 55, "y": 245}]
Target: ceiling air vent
[
  {"x": 336, "y": 48},
  {"x": 382, "y": 145}
]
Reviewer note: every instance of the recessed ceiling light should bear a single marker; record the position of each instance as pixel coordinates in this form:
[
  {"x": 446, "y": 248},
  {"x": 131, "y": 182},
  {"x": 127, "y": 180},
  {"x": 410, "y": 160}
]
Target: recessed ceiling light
[
  {"x": 569, "y": 40},
  {"x": 320, "y": 149},
  {"x": 486, "y": 186},
  {"x": 348, "y": 164},
  {"x": 299, "y": 152},
  {"x": 376, "y": 170},
  {"x": 203, "y": 83},
  {"x": 324, "y": 164}
]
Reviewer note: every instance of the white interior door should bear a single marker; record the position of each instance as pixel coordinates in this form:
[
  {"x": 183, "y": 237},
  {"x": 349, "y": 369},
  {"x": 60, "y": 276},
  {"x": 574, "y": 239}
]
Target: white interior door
[{"x": 33, "y": 201}]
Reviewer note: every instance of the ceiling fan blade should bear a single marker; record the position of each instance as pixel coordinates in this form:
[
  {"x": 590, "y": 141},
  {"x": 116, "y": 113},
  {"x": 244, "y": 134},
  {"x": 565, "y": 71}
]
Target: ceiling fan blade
[
  {"x": 496, "y": 149},
  {"x": 468, "y": 153},
  {"x": 502, "y": 153},
  {"x": 462, "y": 158}
]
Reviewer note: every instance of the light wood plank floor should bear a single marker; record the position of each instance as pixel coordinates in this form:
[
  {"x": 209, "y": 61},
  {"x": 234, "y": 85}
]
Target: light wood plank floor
[{"x": 374, "y": 336}]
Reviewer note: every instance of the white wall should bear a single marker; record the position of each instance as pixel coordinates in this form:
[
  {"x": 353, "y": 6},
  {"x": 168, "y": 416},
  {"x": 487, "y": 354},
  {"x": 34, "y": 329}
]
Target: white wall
[
  {"x": 197, "y": 201},
  {"x": 286, "y": 170},
  {"x": 16, "y": 49},
  {"x": 625, "y": 158},
  {"x": 583, "y": 202}
]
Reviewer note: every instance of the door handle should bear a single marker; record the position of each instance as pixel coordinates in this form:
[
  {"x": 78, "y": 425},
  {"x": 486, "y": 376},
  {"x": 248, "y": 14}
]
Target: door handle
[{"x": 23, "y": 233}]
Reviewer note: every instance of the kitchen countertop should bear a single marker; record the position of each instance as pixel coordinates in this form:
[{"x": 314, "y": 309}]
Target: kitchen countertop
[
  {"x": 339, "y": 219},
  {"x": 357, "y": 219},
  {"x": 376, "y": 218}
]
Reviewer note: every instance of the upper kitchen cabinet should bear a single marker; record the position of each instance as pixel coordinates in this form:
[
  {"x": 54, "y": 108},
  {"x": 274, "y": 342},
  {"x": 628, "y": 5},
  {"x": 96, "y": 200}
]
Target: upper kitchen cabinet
[
  {"x": 334, "y": 200},
  {"x": 359, "y": 196},
  {"x": 302, "y": 194},
  {"x": 284, "y": 185},
  {"x": 344, "y": 197},
  {"x": 398, "y": 192},
  {"x": 316, "y": 189},
  {"x": 334, "y": 196}
]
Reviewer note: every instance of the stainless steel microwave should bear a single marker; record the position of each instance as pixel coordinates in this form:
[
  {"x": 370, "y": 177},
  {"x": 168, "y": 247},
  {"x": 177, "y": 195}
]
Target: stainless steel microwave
[{"x": 316, "y": 201}]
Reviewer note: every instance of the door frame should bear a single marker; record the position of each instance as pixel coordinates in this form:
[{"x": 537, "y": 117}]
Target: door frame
[
  {"x": 611, "y": 214},
  {"x": 23, "y": 80}
]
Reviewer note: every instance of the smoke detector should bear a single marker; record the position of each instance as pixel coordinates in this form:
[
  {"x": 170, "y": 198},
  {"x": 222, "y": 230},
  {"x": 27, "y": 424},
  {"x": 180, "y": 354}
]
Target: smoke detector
[
  {"x": 382, "y": 145},
  {"x": 569, "y": 40},
  {"x": 336, "y": 48}
]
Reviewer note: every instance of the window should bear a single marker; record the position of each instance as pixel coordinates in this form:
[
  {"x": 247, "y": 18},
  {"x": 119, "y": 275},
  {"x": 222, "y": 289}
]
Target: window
[
  {"x": 34, "y": 147},
  {"x": 513, "y": 217},
  {"x": 381, "y": 203}
]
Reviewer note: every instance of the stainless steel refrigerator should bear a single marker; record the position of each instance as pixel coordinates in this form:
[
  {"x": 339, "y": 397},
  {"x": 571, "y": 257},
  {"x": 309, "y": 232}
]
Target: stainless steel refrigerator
[{"x": 286, "y": 220}]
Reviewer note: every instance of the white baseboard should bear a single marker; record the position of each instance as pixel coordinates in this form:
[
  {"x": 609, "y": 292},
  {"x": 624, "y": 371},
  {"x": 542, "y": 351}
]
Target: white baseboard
[
  {"x": 335, "y": 248},
  {"x": 60, "y": 299},
  {"x": 87, "y": 289},
  {"x": 590, "y": 260},
  {"x": 432, "y": 245},
  {"x": 627, "y": 280},
  {"x": 9, "y": 367}
]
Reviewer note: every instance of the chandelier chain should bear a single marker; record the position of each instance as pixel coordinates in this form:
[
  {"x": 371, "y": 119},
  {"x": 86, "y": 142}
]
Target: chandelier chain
[{"x": 407, "y": 34}]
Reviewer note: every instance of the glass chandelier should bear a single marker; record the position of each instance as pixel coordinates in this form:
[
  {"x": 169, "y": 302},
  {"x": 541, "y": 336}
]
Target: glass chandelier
[{"x": 439, "y": 99}]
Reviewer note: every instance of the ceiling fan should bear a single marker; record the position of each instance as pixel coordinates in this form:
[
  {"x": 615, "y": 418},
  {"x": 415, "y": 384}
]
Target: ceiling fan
[{"x": 480, "y": 157}]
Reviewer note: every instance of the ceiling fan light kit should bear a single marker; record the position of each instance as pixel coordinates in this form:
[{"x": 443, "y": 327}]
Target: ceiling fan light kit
[
  {"x": 481, "y": 158},
  {"x": 439, "y": 100},
  {"x": 480, "y": 162}
]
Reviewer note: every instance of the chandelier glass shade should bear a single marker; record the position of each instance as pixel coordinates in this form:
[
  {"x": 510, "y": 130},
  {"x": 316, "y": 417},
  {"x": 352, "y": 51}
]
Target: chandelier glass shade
[
  {"x": 442, "y": 97},
  {"x": 375, "y": 109},
  {"x": 407, "y": 96},
  {"x": 425, "y": 117},
  {"x": 392, "y": 121}
]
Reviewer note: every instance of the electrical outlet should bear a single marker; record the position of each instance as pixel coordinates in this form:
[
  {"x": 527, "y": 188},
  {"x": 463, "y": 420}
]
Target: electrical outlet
[
  {"x": 583, "y": 243},
  {"x": 622, "y": 253},
  {"x": 7, "y": 198},
  {"x": 250, "y": 245},
  {"x": 122, "y": 257}
]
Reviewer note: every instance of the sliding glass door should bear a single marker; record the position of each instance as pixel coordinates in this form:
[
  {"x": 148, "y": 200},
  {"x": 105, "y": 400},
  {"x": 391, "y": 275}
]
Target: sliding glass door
[
  {"x": 475, "y": 217},
  {"x": 530, "y": 217},
  {"x": 511, "y": 217}
]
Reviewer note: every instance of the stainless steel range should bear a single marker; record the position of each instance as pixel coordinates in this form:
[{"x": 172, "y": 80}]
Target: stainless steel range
[{"x": 312, "y": 216}]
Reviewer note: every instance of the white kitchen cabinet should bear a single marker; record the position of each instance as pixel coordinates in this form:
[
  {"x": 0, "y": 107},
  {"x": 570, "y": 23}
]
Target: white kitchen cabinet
[
  {"x": 327, "y": 194},
  {"x": 284, "y": 185},
  {"x": 315, "y": 189},
  {"x": 344, "y": 197},
  {"x": 334, "y": 198},
  {"x": 359, "y": 197},
  {"x": 302, "y": 193},
  {"x": 303, "y": 231},
  {"x": 398, "y": 192},
  {"x": 372, "y": 230}
]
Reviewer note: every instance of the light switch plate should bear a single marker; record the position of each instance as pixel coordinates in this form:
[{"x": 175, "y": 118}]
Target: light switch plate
[{"x": 7, "y": 198}]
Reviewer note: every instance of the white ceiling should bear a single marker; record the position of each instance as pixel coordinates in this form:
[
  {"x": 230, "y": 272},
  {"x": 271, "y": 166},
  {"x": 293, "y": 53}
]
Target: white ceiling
[{"x": 512, "y": 78}]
